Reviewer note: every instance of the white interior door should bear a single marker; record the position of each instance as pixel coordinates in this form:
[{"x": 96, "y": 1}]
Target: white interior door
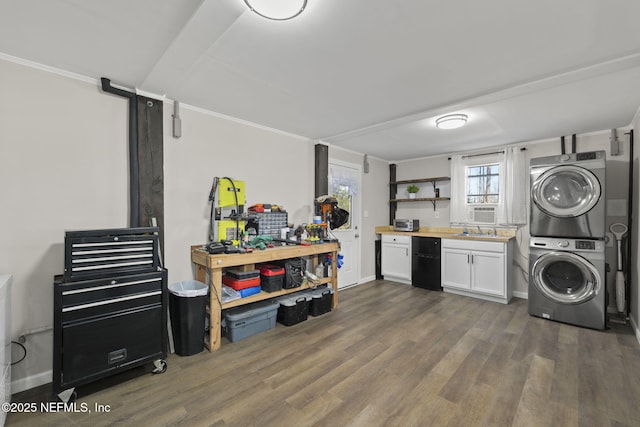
[{"x": 344, "y": 185}]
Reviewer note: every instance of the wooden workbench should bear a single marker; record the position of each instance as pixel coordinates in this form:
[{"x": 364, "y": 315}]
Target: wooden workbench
[{"x": 213, "y": 265}]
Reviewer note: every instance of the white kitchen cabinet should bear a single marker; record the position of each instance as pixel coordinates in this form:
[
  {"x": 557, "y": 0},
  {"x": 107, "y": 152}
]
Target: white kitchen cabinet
[
  {"x": 479, "y": 269},
  {"x": 396, "y": 258}
]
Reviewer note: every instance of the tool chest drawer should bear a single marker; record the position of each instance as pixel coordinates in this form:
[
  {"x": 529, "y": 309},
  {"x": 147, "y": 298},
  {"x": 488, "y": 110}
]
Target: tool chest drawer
[
  {"x": 81, "y": 300},
  {"x": 99, "y": 345},
  {"x": 94, "y": 254}
]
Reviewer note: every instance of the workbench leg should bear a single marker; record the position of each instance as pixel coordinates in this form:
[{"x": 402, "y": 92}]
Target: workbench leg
[
  {"x": 201, "y": 274},
  {"x": 334, "y": 279},
  {"x": 215, "y": 308}
]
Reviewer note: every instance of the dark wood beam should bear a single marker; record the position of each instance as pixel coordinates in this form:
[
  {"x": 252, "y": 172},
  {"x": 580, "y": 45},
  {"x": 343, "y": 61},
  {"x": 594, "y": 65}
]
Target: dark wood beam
[{"x": 150, "y": 163}]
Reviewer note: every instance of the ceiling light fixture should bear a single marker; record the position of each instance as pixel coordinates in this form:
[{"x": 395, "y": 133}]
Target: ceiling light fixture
[
  {"x": 451, "y": 121},
  {"x": 277, "y": 10}
]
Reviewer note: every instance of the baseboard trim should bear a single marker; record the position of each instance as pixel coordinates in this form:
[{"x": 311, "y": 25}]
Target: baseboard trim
[
  {"x": 367, "y": 279},
  {"x": 31, "y": 381},
  {"x": 635, "y": 327},
  {"x": 523, "y": 295}
]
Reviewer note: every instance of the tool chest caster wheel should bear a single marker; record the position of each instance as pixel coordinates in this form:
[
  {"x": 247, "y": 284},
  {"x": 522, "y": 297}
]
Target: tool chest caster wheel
[
  {"x": 160, "y": 366},
  {"x": 68, "y": 396}
]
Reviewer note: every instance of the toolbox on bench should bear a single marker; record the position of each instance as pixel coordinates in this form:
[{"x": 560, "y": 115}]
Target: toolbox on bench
[
  {"x": 238, "y": 285},
  {"x": 271, "y": 277},
  {"x": 242, "y": 275},
  {"x": 247, "y": 292}
]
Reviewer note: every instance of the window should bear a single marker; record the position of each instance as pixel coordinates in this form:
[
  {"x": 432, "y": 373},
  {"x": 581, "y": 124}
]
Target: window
[
  {"x": 491, "y": 189},
  {"x": 344, "y": 198},
  {"x": 483, "y": 184}
]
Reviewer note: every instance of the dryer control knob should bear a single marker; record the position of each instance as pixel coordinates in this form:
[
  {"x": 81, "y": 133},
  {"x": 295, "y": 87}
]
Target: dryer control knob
[
  {"x": 563, "y": 244},
  {"x": 565, "y": 157}
]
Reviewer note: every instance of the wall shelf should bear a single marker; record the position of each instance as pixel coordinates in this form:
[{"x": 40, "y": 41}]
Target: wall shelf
[
  {"x": 393, "y": 191},
  {"x": 415, "y": 181}
]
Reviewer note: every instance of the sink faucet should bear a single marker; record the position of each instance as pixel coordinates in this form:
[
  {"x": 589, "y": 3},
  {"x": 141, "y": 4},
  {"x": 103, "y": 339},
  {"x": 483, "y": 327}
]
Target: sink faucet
[{"x": 479, "y": 229}]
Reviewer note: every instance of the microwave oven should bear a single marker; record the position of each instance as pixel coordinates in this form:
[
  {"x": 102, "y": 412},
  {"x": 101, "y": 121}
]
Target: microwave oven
[{"x": 406, "y": 225}]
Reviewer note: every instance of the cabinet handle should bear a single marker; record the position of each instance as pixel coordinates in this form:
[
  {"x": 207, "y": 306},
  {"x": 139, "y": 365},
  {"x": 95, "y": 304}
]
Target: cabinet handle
[
  {"x": 467, "y": 258},
  {"x": 407, "y": 251},
  {"x": 110, "y": 301},
  {"x": 471, "y": 258}
]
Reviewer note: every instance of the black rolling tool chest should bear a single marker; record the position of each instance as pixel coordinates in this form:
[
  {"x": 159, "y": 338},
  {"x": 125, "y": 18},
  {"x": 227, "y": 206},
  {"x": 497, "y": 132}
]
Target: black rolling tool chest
[{"x": 110, "y": 307}]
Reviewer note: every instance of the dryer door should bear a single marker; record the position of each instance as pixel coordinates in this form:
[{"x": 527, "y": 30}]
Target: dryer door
[
  {"x": 566, "y": 191},
  {"x": 566, "y": 278}
]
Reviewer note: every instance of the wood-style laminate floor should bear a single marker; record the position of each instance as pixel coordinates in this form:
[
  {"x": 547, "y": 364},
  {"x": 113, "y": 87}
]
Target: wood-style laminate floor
[{"x": 391, "y": 355}]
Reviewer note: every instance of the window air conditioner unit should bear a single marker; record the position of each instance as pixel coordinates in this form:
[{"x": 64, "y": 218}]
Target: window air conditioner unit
[{"x": 482, "y": 214}]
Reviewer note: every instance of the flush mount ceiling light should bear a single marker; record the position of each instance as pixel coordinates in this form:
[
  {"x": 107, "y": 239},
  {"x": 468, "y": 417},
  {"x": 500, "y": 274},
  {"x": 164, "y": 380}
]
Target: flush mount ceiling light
[
  {"x": 451, "y": 121},
  {"x": 278, "y": 10}
]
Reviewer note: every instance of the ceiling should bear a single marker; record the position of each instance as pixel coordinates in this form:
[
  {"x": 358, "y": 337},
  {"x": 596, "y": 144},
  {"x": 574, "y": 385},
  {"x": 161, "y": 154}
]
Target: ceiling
[{"x": 367, "y": 75}]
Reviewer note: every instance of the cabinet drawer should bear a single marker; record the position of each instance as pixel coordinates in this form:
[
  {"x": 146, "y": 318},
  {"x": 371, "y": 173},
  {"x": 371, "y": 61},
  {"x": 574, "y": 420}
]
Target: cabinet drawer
[
  {"x": 474, "y": 245},
  {"x": 397, "y": 239}
]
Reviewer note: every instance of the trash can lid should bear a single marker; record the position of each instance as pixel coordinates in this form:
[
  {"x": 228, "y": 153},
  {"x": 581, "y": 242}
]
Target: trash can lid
[{"x": 188, "y": 288}]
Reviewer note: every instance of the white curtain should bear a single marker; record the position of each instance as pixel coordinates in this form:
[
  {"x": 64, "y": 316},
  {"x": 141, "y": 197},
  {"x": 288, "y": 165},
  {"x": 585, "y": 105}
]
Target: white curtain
[
  {"x": 458, "y": 212},
  {"x": 512, "y": 208},
  {"x": 339, "y": 177}
]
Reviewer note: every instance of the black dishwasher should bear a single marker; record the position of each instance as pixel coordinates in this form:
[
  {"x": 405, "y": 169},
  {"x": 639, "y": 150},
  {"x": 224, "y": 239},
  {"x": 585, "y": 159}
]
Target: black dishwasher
[{"x": 425, "y": 264}]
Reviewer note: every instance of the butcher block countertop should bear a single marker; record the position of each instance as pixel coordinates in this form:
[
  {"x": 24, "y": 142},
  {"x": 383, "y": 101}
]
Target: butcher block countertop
[{"x": 504, "y": 235}]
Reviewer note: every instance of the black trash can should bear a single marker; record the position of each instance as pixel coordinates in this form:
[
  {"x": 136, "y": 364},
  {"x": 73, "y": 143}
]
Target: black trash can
[{"x": 187, "y": 301}]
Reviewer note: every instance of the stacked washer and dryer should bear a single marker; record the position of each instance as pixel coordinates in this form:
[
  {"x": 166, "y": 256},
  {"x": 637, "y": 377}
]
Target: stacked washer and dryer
[{"x": 567, "y": 246}]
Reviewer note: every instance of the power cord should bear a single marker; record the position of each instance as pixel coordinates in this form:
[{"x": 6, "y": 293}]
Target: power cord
[{"x": 24, "y": 349}]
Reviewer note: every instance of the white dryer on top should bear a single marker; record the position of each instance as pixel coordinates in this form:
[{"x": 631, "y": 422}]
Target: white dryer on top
[{"x": 567, "y": 195}]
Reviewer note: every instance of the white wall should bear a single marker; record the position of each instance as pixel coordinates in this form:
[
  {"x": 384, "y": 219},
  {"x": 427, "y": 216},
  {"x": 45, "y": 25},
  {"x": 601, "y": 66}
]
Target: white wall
[
  {"x": 430, "y": 167},
  {"x": 277, "y": 168},
  {"x": 63, "y": 165}
]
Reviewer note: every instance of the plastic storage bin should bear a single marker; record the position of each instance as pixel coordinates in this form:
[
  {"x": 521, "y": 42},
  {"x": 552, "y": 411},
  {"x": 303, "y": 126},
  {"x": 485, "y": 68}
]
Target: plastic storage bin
[
  {"x": 187, "y": 301},
  {"x": 271, "y": 277},
  {"x": 293, "y": 308},
  {"x": 245, "y": 321},
  {"x": 321, "y": 299}
]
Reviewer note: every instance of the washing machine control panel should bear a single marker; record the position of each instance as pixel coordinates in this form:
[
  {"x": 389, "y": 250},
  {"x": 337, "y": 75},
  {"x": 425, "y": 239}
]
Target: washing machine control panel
[
  {"x": 586, "y": 244},
  {"x": 592, "y": 155},
  {"x": 594, "y": 246}
]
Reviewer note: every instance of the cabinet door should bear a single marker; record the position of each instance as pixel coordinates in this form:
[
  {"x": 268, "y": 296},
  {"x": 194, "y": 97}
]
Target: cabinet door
[
  {"x": 487, "y": 273},
  {"x": 396, "y": 261},
  {"x": 456, "y": 269}
]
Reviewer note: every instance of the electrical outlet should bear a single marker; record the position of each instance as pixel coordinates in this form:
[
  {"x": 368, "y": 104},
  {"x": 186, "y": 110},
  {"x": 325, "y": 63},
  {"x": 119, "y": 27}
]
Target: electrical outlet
[{"x": 436, "y": 214}]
